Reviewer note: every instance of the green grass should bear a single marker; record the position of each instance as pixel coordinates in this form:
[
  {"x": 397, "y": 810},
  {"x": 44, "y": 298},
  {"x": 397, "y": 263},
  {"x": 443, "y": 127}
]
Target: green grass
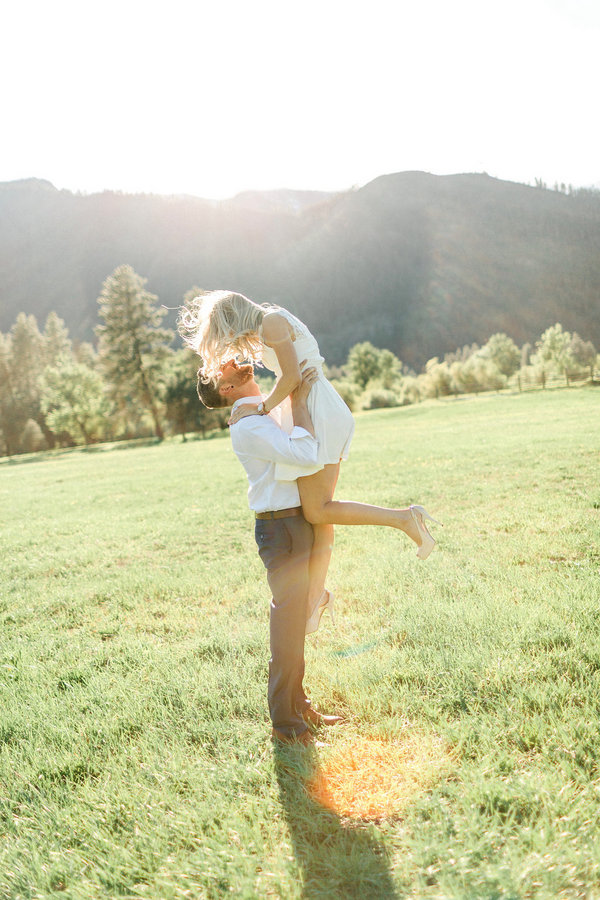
[{"x": 134, "y": 751}]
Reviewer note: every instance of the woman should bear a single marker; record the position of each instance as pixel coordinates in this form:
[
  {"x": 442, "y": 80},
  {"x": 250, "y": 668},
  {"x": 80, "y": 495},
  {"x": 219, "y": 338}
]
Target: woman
[{"x": 220, "y": 325}]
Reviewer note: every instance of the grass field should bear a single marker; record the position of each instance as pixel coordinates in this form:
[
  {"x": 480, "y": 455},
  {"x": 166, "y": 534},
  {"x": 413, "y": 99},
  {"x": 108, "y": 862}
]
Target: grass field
[{"x": 134, "y": 752}]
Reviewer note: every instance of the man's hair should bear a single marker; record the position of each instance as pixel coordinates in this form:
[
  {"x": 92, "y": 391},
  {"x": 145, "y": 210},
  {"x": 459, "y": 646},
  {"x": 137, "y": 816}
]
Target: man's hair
[{"x": 208, "y": 391}]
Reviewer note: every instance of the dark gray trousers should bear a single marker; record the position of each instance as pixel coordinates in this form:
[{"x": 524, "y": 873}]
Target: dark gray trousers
[{"x": 284, "y": 546}]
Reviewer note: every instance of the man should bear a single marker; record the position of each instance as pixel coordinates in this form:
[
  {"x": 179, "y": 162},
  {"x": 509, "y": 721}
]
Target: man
[{"x": 283, "y": 536}]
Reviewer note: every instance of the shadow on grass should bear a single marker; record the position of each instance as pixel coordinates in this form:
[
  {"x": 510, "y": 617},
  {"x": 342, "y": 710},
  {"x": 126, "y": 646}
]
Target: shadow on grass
[
  {"x": 336, "y": 858},
  {"x": 21, "y": 459}
]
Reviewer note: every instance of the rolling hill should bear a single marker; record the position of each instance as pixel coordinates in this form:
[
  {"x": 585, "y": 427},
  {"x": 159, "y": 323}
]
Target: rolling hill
[{"x": 418, "y": 263}]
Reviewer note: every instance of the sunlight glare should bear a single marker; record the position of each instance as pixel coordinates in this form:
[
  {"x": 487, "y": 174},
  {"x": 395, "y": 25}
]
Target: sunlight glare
[{"x": 373, "y": 778}]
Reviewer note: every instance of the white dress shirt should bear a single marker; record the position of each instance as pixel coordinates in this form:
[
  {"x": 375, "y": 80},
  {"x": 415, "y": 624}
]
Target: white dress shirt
[{"x": 259, "y": 444}]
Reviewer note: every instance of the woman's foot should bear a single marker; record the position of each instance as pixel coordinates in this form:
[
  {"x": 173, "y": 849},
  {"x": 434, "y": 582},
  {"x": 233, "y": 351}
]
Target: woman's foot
[
  {"x": 324, "y": 602},
  {"x": 412, "y": 523},
  {"x": 426, "y": 542},
  {"x": 410, "y": 527}
]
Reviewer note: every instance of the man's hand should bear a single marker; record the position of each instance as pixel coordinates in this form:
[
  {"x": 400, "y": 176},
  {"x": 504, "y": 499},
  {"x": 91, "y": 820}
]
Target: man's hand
[
  {"x": 240, "y": 412},
  {"x": 300, "y": 413},
  {"x": 300, "y": 395}
]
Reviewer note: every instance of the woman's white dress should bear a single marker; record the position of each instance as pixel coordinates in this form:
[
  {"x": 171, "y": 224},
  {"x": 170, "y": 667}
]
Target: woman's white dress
[{"x": 332, "y": 420}]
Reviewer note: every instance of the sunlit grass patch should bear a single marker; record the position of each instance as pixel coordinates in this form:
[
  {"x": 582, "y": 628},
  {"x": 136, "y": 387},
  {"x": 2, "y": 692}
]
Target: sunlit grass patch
[{"x": 373, "y": 778}]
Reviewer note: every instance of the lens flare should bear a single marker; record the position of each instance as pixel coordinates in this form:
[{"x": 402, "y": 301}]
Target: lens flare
[{"x": 374, "y": 778}]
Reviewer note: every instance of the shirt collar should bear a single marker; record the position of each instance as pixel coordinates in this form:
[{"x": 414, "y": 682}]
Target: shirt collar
[{"x": 253, "y": 399}]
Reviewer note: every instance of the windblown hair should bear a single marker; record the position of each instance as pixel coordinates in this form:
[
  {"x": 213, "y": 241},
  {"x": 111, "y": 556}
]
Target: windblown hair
[
  {"x": 221, "y": 325},
  {"x": 208, "y": 392}
]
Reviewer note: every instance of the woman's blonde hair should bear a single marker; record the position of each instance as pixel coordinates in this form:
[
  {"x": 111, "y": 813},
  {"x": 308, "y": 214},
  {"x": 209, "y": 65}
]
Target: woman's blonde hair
[{"x": 221, "y": 325}]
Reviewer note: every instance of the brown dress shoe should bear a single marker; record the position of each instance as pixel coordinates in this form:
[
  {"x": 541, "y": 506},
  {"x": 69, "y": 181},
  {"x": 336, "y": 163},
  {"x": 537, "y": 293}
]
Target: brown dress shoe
[
  {"x": 318, "y": 719},
  {"x": 304, "y": 740}
]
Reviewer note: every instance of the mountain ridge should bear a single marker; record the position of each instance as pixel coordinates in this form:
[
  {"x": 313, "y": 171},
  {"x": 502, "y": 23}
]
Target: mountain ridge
[{"x": 416, "y": 262}]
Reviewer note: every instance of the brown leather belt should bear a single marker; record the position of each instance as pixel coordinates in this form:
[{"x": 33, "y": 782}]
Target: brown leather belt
[{"x": 280, "y": 513}]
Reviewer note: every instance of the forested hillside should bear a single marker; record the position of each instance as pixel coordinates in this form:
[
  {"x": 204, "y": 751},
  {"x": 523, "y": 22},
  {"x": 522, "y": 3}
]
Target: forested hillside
[{"x": 416, "y": 263}]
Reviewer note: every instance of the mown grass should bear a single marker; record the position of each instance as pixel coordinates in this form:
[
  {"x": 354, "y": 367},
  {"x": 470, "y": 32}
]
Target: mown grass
[{"x": 134, "y": 751}]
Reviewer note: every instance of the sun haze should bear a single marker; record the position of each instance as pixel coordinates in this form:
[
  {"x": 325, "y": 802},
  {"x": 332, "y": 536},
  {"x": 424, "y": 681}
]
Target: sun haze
[{"x": 212, "y": 99}]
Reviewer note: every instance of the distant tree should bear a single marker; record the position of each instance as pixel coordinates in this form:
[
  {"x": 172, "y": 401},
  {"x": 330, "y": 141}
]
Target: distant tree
[
  {"x": 73, "y": 400},
  {"x": 438, "y": 380},
  {"x": 12, "y": 419},
  {"x": 32, "y": 437},
  {"x": 464, "y": 377},
  {"x": 27, "y": 347},
  {"x": 56, "y": 344},
  {"x": 380, "y": 398},
  {"x": 183, "y": 408},
  {"x": 462, "y": 354},
  {"x": 503, "y": 352},
  {"x": 364, "y": 363},
  {"x": 411, "y": 391},
  {"x": 85, "y": 353},
  {"x": 132, "y": 346},
  {"x": 477, "y": 374},
  {"x": 525, "y": 355},
  {"x": 21, "y": 364},
  {"x": 490, "y": 376},
  {"x": 390, "y": 369},
  {"x": 554, "y": 347},
  {"x": 55, "y": 338},
  {"x": 583, "y": 352}
]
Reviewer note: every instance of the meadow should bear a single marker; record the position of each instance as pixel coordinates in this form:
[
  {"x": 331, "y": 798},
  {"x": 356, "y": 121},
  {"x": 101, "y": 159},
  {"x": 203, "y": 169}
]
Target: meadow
[{"x": 135, "y": 758}]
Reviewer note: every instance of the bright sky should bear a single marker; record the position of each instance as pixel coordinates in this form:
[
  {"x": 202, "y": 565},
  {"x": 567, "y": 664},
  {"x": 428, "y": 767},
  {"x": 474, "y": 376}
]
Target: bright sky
[{"x": 212, "y": 97}]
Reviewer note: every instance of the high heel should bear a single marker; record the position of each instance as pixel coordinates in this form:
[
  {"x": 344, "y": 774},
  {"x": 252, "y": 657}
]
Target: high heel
[
  {"x": 324, "y": 602},
  {"x": 419, "y": 514}
]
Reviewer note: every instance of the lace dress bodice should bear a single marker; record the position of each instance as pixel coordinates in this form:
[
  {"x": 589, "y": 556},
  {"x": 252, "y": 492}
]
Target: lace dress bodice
[{"x": 304, "y": 343}]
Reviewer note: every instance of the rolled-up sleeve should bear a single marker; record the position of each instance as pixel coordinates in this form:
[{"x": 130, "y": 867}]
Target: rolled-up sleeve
[{"x": 261, "y": 438}]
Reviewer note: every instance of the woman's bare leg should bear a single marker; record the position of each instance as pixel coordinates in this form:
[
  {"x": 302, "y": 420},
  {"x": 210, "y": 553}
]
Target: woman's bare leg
[
  {"x": 322, "y": 548},
  {"x": 316, "y": 495}
]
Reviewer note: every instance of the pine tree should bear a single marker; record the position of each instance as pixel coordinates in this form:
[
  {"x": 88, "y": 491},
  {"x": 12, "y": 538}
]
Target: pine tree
[
  {"x": 21, "y": 365},
  {"x": 132, "y": 345},
  {"x": 27, "y": 363},
  {"x": 12, "y": 420},
  {"x": 84, "y": 353},
  {"x": 56, "y": 339}
]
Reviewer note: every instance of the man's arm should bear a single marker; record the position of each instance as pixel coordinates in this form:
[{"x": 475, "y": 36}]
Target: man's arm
[{"x": 261, "y": 436}]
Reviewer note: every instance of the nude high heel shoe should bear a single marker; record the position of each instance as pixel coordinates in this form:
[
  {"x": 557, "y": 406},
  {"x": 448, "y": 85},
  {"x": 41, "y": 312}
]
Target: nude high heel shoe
[
  {"x": 324, "y": 602},
  {"x": 419, "y": 514}
]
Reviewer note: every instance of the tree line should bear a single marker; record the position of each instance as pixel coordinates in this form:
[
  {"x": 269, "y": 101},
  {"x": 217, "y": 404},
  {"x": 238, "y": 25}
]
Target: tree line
[
  {"x": 55, "y": 392},
  {"x": 376, "y": 378}
]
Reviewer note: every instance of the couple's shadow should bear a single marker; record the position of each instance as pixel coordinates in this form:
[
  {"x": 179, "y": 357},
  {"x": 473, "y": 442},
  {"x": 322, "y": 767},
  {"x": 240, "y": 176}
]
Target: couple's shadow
[{"x": 336, "y": 859}]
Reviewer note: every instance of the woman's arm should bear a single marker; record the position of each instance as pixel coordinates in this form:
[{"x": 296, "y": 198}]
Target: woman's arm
[{"x": 276, "y": 334}]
